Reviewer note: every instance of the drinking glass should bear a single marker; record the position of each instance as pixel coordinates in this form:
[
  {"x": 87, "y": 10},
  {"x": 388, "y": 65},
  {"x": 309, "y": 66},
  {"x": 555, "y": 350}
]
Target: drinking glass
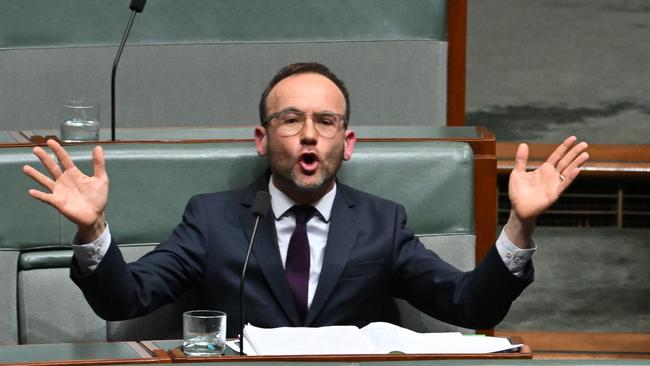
[
  {"x": 204, "y": 332},
  {"x": 80, "y": 121}
]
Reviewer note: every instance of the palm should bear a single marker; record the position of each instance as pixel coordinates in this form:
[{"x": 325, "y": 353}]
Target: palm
[
  {"x": 532, "y": 192},
  {"x": 79, "y": 197}
]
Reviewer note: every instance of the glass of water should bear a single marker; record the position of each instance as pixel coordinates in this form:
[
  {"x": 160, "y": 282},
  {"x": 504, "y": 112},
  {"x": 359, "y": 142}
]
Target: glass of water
[
  {"x": 204, "y": 333},
  {"x": 80, "y": 121}
]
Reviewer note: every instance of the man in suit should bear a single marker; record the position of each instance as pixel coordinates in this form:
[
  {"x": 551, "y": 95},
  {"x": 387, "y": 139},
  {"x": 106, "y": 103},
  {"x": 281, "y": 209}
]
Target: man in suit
[{"x": 328, "y": 254}]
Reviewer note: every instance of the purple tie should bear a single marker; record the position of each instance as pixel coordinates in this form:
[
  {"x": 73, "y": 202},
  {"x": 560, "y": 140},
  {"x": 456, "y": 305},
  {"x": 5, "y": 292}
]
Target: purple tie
[{"x": 297, "y": 265}]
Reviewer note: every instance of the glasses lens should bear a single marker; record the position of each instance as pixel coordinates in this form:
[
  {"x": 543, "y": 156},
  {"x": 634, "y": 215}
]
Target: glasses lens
[
  {"x": 327, "y": 124},
  {"x": 290, "y": 123}
]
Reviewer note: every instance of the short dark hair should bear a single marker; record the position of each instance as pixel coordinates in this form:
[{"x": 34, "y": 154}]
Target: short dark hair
[{"x": 303, "y": 68}]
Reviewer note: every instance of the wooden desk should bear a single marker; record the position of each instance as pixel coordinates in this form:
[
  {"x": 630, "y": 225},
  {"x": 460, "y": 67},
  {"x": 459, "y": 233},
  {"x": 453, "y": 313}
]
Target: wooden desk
[
  {"x": 79, "y": 354},
  {"x": 586, "y": 345},
  {"x": 177, "y": 355}
]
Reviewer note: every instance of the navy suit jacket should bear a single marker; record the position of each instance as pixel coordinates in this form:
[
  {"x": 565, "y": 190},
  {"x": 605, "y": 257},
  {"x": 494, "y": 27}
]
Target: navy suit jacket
[{"x": 370, "y": 258}]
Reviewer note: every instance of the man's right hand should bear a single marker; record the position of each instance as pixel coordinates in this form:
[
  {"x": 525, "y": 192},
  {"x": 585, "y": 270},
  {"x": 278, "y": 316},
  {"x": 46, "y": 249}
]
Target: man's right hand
[{"x": 78, "y": 197}]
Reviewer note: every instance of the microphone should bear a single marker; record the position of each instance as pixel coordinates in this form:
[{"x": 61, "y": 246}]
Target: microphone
[
  {"x": 137, "y": 6},
  {"x": 260, "y": 208}
]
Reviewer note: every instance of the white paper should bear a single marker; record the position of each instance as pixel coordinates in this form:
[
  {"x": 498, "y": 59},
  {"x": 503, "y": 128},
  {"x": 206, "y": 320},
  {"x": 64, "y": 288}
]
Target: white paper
[
  {"x": 334, "y": 340},
  {"x": 375, "y": 338}
]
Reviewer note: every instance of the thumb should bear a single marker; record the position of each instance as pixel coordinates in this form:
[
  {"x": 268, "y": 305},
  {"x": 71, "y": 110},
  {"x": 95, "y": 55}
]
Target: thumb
[
  {"x": 98, "y": 162},
  {"x": 521, "y": 158}
]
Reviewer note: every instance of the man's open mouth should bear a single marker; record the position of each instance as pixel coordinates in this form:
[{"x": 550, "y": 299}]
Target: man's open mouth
[{"x": 309, "y": 161}]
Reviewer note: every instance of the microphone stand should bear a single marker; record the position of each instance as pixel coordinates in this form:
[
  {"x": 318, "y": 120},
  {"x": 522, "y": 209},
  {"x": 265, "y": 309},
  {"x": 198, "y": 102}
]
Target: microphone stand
[
  {"x": 241, "y": 288},
  {"x": 136, "y": 8},
  {"x": 260, "y": 208}
]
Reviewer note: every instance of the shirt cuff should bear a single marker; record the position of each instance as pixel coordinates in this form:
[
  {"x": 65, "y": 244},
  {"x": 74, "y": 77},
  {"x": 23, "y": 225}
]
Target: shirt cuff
[
  {"x": 89, "y": 255},
  {"x": 514, "y": 257}
]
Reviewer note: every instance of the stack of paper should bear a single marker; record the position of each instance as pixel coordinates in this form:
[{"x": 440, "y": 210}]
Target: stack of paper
[{"x": 375, "y": 338}]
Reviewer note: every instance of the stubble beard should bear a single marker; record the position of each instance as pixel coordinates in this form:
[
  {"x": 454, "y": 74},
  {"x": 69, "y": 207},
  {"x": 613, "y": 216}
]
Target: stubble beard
[{"x": 292, "y": 178}]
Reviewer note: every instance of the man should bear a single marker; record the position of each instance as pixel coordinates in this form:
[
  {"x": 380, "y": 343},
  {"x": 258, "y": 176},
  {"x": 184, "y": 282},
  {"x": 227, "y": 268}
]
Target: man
[{"x": 339, "y": 258}]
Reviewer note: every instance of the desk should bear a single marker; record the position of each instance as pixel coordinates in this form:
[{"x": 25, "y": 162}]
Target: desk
[
  {"x": 79, "y": 354},
  {"x": 441, "y": 363},
  {"x": 173, "y": 348}
]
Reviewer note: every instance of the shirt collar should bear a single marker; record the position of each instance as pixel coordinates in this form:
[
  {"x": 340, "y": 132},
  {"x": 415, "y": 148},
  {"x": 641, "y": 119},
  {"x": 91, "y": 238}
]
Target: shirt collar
[{"x": 281, "y": 203}]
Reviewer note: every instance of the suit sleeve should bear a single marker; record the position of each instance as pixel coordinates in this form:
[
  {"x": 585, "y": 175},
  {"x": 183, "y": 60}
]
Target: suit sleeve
[
  {"x": 116, "y": 290},
  {"x": 477, "y": 299}
]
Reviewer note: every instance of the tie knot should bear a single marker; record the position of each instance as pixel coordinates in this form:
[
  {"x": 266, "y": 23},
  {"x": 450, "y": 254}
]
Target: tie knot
[{"x": 303, "y": 212}]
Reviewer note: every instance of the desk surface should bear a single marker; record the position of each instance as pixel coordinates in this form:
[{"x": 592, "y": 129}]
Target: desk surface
[
  {"x": 131, "y": 353},
  {"x": 6, "y": 138},
  {"x": 127, "y": 352},
  {"x": 586, "y": 362}
]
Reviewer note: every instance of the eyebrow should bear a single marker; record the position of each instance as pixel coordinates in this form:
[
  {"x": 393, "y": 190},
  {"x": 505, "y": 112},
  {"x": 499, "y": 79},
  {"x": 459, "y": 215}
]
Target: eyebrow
[{"x": 294, "y": 109}]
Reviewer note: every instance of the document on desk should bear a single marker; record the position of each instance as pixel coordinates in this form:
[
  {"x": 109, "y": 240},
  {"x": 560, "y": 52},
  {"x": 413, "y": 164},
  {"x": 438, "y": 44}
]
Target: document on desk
[{"x": 375, "y": 338}]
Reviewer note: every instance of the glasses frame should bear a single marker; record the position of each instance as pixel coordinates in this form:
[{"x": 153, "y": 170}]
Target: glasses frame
[{"x": 342, "y": 122}]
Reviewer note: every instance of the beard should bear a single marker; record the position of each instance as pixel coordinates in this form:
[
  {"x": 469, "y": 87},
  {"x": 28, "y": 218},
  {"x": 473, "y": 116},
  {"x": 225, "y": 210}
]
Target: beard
[{"x": 290, "y": 179}]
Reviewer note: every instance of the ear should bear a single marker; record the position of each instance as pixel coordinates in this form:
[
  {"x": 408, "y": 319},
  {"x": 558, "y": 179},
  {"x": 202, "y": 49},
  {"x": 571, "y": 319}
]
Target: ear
[
  {"x": 350, "y": 140},
  {"x": 261, "y": 140}
]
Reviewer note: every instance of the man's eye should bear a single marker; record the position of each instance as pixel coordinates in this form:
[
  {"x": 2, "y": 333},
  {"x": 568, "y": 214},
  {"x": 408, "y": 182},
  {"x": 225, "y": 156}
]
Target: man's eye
[
  {"x": 327, "y": 120},
  {"x": 291, "y": 118}
]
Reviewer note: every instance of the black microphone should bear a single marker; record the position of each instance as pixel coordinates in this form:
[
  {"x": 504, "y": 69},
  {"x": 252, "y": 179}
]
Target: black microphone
[
  {"x": 260, "y": 209},
  {"x": 136, "y": 6}
]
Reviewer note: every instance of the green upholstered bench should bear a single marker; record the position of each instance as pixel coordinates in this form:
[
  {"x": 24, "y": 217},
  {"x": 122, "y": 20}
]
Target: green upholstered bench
[{"x": 150, "y": 185}]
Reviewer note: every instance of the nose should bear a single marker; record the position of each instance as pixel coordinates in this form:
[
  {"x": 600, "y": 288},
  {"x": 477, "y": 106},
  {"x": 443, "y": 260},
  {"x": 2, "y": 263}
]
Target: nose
[{"x": 309, "y": 135}]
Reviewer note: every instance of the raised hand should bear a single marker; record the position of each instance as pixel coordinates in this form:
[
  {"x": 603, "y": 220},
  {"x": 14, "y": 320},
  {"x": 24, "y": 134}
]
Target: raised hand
[
  {"x": 78, "y": 197},
  {"x": 532, "y": 192}
]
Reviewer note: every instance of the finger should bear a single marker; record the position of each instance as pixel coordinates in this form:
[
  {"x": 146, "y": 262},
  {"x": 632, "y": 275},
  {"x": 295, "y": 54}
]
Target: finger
[
  {"x": 48, "y": 162},
  {"x": 575, "y": 165},
  {"x": 559, "y": 152},
  {"x": 39, "y": 177},
  {"x": 61, "y": 154},
  {"x": 42, "y": 196},
  {"x": 99, "y": 167},
  {"x": 571, "y": 156},
  {"x": 521, "y": 158}
]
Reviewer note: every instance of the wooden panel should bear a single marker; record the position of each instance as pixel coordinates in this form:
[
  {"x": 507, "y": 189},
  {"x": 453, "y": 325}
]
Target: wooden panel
[
  {"x": 605, "y": 160},
  {"x": 456, "y": 61},
  {"x": 585, "y": 344}
]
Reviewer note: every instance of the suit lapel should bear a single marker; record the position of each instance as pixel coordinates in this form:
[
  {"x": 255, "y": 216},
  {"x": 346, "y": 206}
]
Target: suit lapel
[
  {"x": 266, "y": 251},
  {"x": 342, "y": 236}
]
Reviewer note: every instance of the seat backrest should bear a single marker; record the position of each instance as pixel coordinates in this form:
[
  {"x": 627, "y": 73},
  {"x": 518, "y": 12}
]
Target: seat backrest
[
  {"x": 205, "y": 62},
  {"x": 150, "y": 185}
]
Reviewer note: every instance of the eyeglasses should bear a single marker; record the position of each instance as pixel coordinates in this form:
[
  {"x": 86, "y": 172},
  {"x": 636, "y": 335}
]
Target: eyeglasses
[{"x": 291, "y": 122}]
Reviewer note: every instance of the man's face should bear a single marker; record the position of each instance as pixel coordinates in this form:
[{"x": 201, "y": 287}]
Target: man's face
[{"x": 304, "y": 165}]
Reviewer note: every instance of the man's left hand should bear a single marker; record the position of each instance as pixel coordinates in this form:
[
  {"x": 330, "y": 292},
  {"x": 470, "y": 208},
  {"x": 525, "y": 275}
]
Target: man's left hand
[{"x": 532, "y": 192}]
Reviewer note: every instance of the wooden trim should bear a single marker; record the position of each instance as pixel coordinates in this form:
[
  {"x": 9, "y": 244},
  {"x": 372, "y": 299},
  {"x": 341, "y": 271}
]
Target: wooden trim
[
  {"x": 585, "y": 344},
  {"x": 456, "y": 61},
  {"x": 178, "y": 356},
  {"x": 610, "y": 160}
]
